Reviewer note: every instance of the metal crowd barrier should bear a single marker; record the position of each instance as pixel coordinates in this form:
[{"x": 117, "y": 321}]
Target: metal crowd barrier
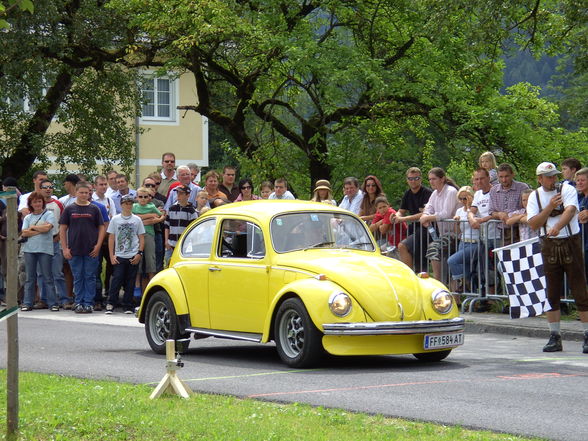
[{"x": 485, "y": 281}]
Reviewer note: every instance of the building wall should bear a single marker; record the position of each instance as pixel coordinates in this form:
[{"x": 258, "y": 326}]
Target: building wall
[
  {"x": 184, "y": 133},
  {"x": 186, "y": 136}
]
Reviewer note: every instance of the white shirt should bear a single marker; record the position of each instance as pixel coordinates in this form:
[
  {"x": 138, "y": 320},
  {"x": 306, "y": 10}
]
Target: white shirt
[
  {"x": 569, "y": 197},
  {"x": 482, "y": 203},
  {"x": 287, "y": 195},
  {"x": 22, "y": 202},
  {"x": 67, "y": 200},
  {"x": 354, "y": 205},
  {"x": 107, "y": 202}
]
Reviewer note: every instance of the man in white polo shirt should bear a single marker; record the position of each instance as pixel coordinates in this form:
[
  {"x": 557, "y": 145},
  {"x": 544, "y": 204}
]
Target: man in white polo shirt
[{"x": 553, "y": 210}]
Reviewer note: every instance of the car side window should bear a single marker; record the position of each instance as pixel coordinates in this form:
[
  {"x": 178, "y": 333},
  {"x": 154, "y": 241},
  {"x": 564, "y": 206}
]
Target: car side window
[
  {"x": 198, "y": 241},
  {"x": 241, "y": 239}
]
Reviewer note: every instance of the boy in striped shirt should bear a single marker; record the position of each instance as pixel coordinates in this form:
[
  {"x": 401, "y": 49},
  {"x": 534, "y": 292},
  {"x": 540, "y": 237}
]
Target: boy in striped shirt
[{"x": 178, "y": 218}]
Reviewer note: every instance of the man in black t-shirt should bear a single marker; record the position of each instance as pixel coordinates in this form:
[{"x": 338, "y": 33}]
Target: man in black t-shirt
[
  {"x": 412, "y": 249},
  {"x": 81, "y": 232}
]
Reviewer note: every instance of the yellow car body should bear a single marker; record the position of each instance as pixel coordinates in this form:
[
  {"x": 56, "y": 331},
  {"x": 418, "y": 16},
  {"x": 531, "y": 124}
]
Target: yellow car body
[{"x": 306, "y": 275}]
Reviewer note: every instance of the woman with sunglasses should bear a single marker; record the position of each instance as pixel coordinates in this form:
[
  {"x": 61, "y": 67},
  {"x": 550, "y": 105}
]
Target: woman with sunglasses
[
  {"x": 371, "y": 188},
  {"x": 463, "y": 261},
  {"x": 246, "y": 191}
]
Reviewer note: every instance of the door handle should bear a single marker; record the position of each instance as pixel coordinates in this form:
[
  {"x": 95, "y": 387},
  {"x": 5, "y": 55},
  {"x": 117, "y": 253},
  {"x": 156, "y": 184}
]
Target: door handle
[{"x": 214, "y": 268}]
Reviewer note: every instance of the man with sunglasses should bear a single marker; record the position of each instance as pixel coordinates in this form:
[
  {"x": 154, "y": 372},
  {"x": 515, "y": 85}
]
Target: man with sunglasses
[
  {"x": 553, "y": 210},
  {"x": 168, "y": 173},
  {"x": 412, "y": 249},
  {"x": 38, "y": 177}
]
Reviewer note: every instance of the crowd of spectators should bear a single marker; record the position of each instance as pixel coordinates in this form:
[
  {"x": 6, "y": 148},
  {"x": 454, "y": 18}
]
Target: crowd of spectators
[{"x": 79, "y": 251}]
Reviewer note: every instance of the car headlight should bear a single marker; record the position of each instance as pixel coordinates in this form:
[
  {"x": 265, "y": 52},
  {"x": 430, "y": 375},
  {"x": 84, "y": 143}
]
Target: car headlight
[
  {"x": 340, "y": 304},
  {"x": 442, "y": 301}
]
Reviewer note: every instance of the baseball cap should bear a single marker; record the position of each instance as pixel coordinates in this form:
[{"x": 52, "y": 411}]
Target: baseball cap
[
  {"x": 547, "y": 169},
  {"x": 127, "y": 198},
  {"x": 182, "y": 188}
]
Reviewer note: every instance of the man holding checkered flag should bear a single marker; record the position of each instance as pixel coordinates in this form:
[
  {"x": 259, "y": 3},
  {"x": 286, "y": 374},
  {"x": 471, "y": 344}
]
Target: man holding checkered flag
[{"x": 553, "y": 210}]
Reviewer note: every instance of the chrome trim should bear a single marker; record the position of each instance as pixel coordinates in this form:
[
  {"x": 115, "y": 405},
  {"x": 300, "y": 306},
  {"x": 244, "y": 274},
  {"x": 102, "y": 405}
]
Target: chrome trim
[
  {"x": 395, "y": 328},
  {"x": 233, "y": 335}
]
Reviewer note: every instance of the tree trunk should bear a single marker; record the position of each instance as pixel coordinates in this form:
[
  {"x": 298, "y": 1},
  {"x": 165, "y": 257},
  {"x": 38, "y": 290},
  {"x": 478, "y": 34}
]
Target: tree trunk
[{"x": 25, "y": 154}]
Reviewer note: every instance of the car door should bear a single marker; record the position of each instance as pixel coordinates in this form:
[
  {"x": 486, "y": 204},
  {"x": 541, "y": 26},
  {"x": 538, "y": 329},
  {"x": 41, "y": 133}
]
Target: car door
[
  {"x": 193, "y": 269},
  {"x": 238, "y": 277}
]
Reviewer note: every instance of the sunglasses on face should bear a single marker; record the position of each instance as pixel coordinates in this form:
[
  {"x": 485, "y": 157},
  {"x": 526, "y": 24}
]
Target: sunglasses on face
[
  {"x": 246, "y": 187},
  {"x": 150, "y": 185},
  {"x": 143, "y": 197},
  {"x": 169, "y": 161},
  {"x": 47, "y": 187},
  {"x": 414, "y": 178},
  {"x": 370, "y": 185}
]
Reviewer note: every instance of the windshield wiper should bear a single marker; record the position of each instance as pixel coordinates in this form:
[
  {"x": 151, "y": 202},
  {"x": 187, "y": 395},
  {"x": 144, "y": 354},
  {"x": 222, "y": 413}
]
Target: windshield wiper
[{"x": 318, "y": 245}]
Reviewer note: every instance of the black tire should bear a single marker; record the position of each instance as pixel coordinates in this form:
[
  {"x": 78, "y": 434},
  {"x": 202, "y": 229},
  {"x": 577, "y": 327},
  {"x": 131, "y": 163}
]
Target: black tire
[
  {"x": 298, "y": 341},
  {"x": 433, "y": 356},
  {"x": 161, "y": 322}
]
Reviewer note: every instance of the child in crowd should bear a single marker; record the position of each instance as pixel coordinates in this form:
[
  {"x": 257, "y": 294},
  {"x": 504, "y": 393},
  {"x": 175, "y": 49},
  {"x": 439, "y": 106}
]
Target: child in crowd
[
  {"x": 383, "y": 219},
  {"x": 125, "y": 245},
  {"x": 150, "y": 215},
  {"x": 265, "y": 189},
  {"x": 178, "y": 218},
  {"x": 202, "y": 205},
  {"x": 520, "y": 217},
  {"x": 487, "y": 161}
]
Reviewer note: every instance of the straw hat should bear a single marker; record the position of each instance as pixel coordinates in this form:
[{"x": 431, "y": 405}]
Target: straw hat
[{"x": 322, "y": 184}]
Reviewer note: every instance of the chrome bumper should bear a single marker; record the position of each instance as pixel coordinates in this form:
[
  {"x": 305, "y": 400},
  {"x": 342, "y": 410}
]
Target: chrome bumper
[{"x": 395, "y": 328}]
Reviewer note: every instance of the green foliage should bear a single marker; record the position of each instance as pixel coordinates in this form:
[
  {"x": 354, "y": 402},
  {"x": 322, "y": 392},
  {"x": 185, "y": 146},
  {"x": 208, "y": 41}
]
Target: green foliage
[
  {"x": 64, "y": 65},
  {"x": 361, "y": 88}
]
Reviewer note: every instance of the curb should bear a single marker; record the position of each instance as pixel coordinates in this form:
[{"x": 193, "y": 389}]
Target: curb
[{"x": 476, "y": 327}]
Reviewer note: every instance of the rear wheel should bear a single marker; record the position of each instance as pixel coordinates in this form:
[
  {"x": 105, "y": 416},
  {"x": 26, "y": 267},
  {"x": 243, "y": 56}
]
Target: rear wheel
[
  {"x": 433, "y": 356},
  {"x": 161, "y": 322},
  {"x": 298, "y": 341}
]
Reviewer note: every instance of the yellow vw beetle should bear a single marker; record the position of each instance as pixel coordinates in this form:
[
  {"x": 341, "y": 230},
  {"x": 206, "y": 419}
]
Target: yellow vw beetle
[{"x": 306, "y": 275}]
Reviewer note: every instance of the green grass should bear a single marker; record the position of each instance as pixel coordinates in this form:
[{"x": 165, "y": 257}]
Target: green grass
[{"x": 61, "y": 408}]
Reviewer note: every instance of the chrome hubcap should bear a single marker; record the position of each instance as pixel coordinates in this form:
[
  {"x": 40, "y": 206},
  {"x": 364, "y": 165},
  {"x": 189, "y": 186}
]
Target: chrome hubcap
[
  {"x": 160, "y": 323},
  {"x": 292, "y": 333}
]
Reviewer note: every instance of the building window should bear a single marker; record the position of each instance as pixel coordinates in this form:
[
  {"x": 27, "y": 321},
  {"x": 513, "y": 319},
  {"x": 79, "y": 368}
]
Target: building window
[{"x": 159, "y": 99}]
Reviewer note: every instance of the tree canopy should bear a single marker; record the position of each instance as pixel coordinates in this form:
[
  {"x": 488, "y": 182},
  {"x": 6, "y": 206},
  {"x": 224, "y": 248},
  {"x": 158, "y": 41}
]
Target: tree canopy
[
  {"x": 306, "y": 89},
  {"x": 326, "y": 88},
  {"x": 67, "y": 63}
]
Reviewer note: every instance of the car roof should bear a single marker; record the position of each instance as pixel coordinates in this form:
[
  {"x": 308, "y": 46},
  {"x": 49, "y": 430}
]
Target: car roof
[{"x": 266, "y": 209}]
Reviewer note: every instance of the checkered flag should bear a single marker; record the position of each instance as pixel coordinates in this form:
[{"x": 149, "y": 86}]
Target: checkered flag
[{"x": 521, "y": 265}]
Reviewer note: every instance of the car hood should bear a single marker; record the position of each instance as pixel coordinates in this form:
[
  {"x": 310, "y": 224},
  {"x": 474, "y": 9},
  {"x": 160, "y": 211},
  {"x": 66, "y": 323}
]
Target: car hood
[{"x": 386, "y": 289}]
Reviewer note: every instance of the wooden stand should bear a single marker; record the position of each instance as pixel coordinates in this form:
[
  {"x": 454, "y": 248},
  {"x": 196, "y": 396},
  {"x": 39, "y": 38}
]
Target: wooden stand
[{"x": 171, "y": 383}]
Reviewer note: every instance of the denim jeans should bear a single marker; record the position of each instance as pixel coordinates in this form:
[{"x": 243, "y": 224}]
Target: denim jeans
[
  {"x": 123, "y": 275},
  {"x": 31, "y": 262},
  {"x": 83, "y": 269},
  {"x": 463, "y": 261},
  {"x": 58, "y": 279}
]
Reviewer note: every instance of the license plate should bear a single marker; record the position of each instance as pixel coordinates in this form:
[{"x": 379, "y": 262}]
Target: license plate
[{"x": 436, "y": 341}]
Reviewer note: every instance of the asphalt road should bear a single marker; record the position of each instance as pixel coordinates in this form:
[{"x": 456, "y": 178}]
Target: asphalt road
[{"x": 493, "y": 382}]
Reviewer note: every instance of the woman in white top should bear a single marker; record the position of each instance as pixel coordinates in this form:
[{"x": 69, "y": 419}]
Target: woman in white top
[
  {"x": 442, "y": 205},
  {"x": 463, "y": 261}
]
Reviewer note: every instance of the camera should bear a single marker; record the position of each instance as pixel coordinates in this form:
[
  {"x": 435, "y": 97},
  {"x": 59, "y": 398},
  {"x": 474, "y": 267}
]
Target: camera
[
  {"x": 558, "y": 186},
  {"x": 23, "y": 239}
]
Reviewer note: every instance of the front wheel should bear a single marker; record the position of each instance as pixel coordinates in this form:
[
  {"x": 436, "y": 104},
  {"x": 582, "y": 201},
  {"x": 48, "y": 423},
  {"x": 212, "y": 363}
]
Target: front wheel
[
  {"x": 298, "y": 341},
  {"x": 433, "y": 356},
  {"x": 161, "y": 322}
]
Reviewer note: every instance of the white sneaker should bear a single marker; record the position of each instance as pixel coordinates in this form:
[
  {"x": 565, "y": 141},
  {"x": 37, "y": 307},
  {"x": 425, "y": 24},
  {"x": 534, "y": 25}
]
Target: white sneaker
[{"x": 109, "y": 309}]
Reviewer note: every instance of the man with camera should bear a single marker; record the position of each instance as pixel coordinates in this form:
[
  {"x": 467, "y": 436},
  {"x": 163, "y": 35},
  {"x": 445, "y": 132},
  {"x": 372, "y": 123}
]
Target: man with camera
[{"x": 553, "y": 210}]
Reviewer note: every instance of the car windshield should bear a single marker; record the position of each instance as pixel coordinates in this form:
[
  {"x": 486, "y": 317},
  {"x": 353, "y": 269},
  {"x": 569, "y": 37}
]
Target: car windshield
[{"x": 300, "y": 231}]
